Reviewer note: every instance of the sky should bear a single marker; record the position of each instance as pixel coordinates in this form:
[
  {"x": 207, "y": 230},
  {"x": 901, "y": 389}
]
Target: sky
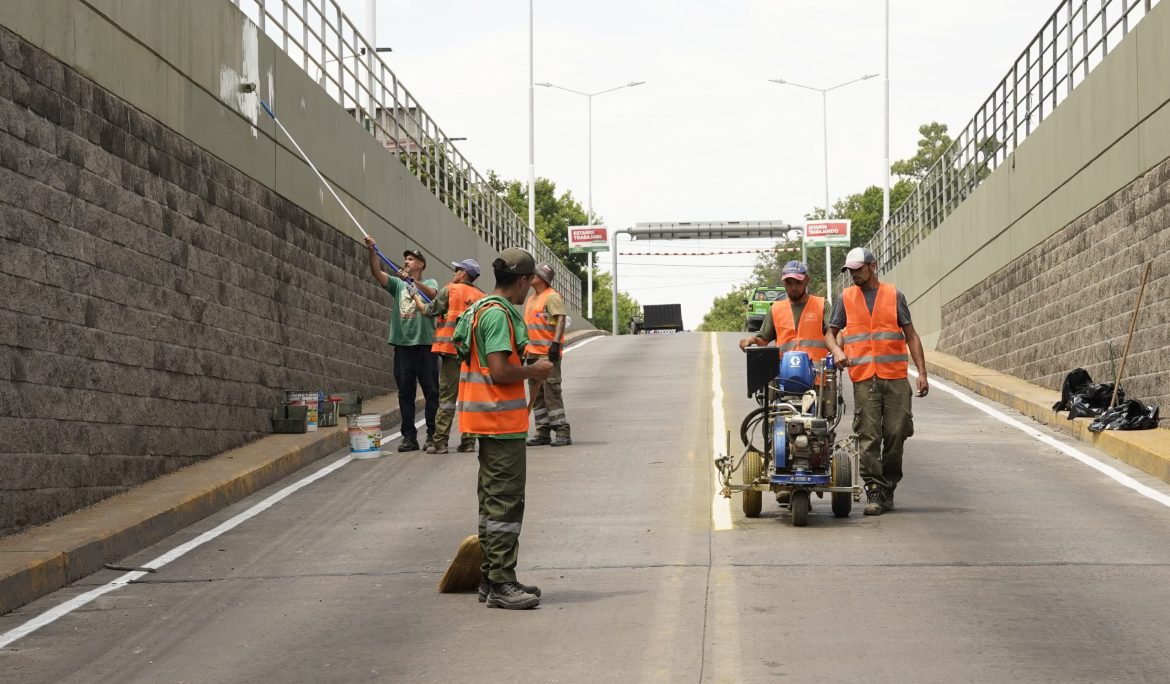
[{"x": 707, "y": 137}]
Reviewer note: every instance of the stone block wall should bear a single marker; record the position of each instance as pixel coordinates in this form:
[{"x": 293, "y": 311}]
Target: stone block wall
[
  {"x": 155, "y": 301},
  {"x": 1067, "y": 302}
]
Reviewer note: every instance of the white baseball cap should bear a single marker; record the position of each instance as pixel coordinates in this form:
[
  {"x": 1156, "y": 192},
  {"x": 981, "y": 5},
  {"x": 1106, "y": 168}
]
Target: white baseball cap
[{"x": 858, "y": 257}]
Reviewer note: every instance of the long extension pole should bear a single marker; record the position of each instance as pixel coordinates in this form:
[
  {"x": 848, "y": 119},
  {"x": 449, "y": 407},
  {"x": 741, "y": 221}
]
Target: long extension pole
[
  {"x": 385, "y": 260},
  {"x": 1132, "y": 324}
]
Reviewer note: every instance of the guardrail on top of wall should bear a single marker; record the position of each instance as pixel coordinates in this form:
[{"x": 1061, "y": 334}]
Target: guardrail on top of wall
[
  {"x": 1072, "y": 42},
  {"x": 318, "y": 36}
]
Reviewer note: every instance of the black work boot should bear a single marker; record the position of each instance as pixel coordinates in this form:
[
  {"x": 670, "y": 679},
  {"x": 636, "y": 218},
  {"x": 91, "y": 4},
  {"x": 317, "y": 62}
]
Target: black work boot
[
  {"x": 888, "y": 500},
  {"x": 873, "y": 501},
  {"x": 485, "y": 588},
  {"x": 408, "y": 444},
  {"x": 563, "y": 438},
  {"x": 466, "y": 446},
  {"x": 511, "y": 596},
  {"x": 541, "y": 438}
]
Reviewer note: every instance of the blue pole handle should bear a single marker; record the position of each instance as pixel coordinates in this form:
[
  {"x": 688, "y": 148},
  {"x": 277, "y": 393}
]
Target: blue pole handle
[{"x": 267, "y": 109}]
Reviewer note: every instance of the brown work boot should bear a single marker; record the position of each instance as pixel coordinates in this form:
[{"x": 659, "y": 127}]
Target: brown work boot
[
  {"x": 541, "y": 438},
  {"x": 563, "y": 438},
  {"x": 466, "y": 446}
]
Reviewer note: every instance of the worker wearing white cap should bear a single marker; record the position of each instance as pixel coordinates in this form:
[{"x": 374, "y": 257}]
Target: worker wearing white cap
[{"x": 878, "y": 337}]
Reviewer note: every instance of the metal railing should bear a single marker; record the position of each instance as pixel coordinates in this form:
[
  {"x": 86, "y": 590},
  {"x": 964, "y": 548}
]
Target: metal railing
[
  {"x": 318, "y": 36},
  {"x": 1072, "y": 42}
]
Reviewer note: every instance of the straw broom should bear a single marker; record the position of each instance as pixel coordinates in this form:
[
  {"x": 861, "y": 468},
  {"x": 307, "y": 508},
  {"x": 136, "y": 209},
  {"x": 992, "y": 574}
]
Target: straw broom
[{"x": 464, "y": 572}]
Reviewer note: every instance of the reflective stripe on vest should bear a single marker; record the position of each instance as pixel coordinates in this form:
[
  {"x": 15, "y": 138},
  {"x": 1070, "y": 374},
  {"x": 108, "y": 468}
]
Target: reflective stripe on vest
[
  {"x": 541, "y": 332},
  {"x": 486, "y": 408},
  {"x": 810, "y": 336},
  {"x": 875, "y": 344},
  {"x": 459, "y": 297}
]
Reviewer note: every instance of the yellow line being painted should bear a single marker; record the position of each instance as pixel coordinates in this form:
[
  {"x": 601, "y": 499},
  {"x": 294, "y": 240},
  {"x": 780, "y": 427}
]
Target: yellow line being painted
[{"x": 720, "y": 507}]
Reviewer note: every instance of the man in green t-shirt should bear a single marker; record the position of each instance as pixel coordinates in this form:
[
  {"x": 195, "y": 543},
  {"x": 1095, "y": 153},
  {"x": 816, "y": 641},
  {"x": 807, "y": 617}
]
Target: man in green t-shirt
[{"x": 411, "y": 334}]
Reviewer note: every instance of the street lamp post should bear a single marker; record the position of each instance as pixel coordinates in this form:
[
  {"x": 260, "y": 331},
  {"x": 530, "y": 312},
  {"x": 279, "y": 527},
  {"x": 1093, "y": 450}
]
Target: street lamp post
[
  {"x": 825, "y": 130},
  {"x": 589, "y": 192}
]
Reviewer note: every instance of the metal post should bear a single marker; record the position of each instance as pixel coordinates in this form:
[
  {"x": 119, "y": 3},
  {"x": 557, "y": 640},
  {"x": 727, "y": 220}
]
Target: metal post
[
  {"x": 825, "y": 130},
  {"x": 886, "y": 125},
  {"x": 614, "y": 282},
  {"x": 531, "y": 140},
  {"x": 589, "y": 209}
]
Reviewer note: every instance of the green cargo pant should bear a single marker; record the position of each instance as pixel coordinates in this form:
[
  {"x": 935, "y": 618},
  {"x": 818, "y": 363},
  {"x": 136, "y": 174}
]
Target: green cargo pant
[
  {"x": 882, "y": 422},
  {"x": 448, "y": 395},
  {"x": 502, "y": 471},
  {"x": 548, "y": 410}
]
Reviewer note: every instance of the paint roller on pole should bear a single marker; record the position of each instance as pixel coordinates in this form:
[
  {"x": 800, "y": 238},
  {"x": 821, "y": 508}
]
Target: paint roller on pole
[{"x": 251, "y": 87}]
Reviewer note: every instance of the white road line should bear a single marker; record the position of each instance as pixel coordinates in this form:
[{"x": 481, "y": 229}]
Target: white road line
[
  {"x": 582, "y": 343},
  {"x": 720, "y": 507},
  {"x": 73, "y": 604},
  {"x": 1103, "y": 468}
]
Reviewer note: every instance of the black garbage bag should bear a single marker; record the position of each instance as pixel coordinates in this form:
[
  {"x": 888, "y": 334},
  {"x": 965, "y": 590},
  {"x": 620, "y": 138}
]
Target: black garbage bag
[
  {"x": 1074, "y": 383},
  {"x": 1128, "y": 415},
  {"x": 1083, "y": 398}
]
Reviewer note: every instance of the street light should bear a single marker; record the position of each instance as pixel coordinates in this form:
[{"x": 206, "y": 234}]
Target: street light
[
  {"x": 589, "y": 192},
  {"x": 825, "y": 129}
]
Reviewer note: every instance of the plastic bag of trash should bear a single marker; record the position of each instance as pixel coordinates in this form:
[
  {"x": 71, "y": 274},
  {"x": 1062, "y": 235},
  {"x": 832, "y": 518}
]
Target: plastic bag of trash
[
  {"x": 1127, "y": 415},
  {"x": 1083, "y": 398}
]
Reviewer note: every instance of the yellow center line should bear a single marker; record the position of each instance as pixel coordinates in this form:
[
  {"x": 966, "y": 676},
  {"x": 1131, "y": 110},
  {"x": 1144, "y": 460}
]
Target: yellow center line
[{"x": 720, "y": 507}]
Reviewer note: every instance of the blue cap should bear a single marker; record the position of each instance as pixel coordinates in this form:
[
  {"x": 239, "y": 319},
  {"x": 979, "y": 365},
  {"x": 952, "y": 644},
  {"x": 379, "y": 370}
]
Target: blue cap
[
  {"x": 471, "y": 266},
  {"x": 794, "y": 269}
]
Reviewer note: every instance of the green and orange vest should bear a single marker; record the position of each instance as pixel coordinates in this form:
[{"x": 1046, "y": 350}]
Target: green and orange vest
[
  {"x": 874, "y": 343},
  {"x": 459, "y": 297},
  {"x": 484, "y": 407}
]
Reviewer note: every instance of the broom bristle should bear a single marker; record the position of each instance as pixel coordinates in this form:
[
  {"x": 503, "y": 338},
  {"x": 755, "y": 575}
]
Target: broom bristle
[{"x": 463, "y": 575}]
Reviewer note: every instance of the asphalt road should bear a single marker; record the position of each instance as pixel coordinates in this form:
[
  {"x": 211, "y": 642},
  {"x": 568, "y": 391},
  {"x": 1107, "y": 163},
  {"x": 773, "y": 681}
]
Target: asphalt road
[{"x": 1006, "y": 560}]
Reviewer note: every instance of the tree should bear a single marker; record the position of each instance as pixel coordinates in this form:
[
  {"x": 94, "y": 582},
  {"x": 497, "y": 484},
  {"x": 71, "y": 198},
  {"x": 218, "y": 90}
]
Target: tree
[
  {"x": 554, "y": 215},
  {"x": 728, "y": 313},
  {"x": 628, "y": 307},
  {"x": 931, "y": 146}
]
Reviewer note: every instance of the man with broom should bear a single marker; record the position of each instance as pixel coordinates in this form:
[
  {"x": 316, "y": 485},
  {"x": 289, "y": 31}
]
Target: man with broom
[{"x": 491, "y": 338}]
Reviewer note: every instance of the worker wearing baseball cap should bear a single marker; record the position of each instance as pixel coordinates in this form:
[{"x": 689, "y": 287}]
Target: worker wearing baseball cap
[
  {"x": 491, "y": 336},
  {"x": 798, "y": 320},
  {"x": 451, "y": 301},
  {"x": 412, "y": 335},
  {"x": 878, "y": 337},
  {"x": 545, "y": 317}
]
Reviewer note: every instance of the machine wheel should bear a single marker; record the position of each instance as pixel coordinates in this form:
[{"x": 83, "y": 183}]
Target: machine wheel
[
  {"x": 753, "y": 468},
  {"x": 799, "y": 506},
  {"x": 842, "y": 477}
]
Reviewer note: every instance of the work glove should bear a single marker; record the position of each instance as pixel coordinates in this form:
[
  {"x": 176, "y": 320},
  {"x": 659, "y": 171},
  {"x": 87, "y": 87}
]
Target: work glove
[{"x": 554, "y": 352}]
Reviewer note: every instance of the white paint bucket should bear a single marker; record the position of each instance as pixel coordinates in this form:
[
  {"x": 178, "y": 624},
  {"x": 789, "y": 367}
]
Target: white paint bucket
[
  {"x": 309, "y": 401},
  {"x": 365, "y": 435}
]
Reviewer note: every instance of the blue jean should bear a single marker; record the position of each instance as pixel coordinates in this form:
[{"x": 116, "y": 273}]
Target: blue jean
[{"x": 414, "y": 366}]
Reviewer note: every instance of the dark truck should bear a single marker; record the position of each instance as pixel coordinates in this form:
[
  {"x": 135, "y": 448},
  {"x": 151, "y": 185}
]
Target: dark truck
[{"x": 658, "y": 317}]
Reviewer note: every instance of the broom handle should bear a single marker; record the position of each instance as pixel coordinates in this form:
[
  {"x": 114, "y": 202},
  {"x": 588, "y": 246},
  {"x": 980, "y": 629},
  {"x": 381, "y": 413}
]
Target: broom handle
[
  {"x": 1129, "y": 338},
  {"x": 385, "y": 260}
]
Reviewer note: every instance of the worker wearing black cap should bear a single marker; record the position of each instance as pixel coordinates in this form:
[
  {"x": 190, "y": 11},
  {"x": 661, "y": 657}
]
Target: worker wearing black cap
[{"x": 412, "y": 335}]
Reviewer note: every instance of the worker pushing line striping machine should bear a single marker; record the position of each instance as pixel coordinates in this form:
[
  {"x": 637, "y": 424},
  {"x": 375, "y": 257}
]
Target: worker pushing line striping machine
[{"x": 790, "y": 445}]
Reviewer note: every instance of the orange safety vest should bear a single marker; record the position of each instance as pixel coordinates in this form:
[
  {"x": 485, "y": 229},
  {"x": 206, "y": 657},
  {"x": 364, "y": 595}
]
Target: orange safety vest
[
  {"x": 459, "y": 297},
  {"x": 875, "y": 344},
  {"x": 809, "y": 337},
  {"x": 484, "y": 407},
  {"x": 541, "y": 329}
]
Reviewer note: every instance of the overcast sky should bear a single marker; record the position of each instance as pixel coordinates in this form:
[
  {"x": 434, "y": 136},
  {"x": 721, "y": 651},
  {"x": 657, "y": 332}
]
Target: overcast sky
[{"x": 707, "y": 137}]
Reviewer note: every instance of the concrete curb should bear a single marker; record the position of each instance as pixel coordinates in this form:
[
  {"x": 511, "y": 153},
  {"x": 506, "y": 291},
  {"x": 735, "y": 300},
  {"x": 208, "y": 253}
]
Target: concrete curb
[
  {"x": 1148, "y": 450},
  {"x": 43, "y": 559},
  {"x": 46, "y": 558}
]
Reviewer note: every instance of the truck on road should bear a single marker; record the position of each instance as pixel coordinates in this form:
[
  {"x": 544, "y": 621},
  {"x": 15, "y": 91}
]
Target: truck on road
[
  {"x": 658, "y": 317},
  {"x": 759, "y": 305}
]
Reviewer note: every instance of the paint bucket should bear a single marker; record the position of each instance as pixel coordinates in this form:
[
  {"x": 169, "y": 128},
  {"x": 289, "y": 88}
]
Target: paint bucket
[
  {"x": 309, "y": 401},
  {"x": 365, "y": 435}
]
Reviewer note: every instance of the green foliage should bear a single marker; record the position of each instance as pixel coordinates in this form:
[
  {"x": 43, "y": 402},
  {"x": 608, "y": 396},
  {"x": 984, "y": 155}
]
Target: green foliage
[
  {"x": 931, "y": 146},
  {"x": 728, "y": 312},
  {"x": 554, "y": 215},
  {"x": 628, "y": 307}
]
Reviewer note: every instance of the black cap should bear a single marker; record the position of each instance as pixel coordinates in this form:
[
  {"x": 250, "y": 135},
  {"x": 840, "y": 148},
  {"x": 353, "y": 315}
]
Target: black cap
[
  {"x": 514, "y": 260},
  {"x": 416, "y": 254}
]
